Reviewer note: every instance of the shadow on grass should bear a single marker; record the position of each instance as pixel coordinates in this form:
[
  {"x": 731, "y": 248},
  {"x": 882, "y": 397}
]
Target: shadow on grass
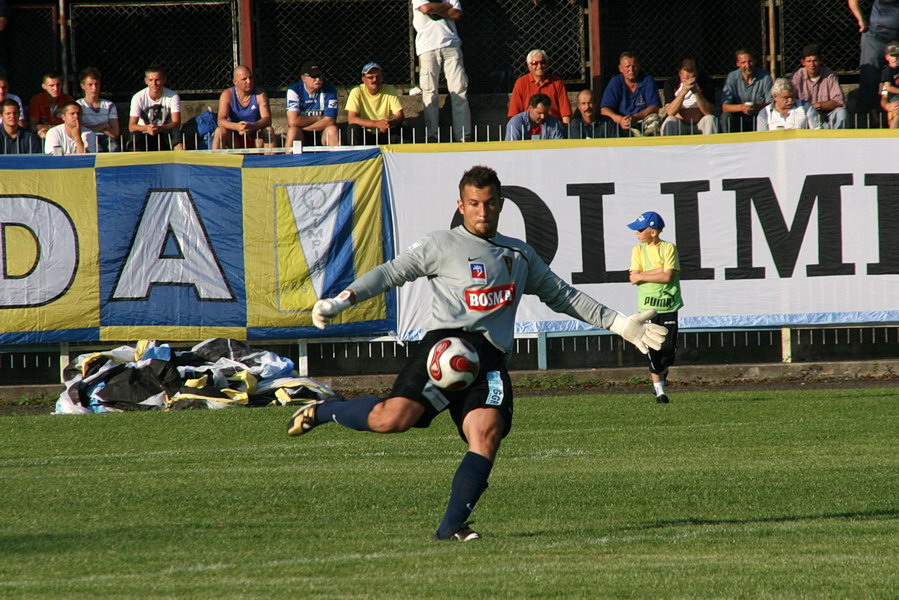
[{"x": 891, "y": 513}]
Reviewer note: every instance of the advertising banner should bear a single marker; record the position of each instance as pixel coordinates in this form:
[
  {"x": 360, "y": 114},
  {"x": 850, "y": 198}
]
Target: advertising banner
[
  {"x": 187, "y": 246},
  {"x": 774, "y": 229}
]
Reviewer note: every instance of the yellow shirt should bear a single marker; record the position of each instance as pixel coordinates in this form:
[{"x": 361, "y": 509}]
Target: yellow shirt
[{"x": 382, "y": 105}]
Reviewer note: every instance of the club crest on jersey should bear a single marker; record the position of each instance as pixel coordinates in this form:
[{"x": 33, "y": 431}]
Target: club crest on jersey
[
  {"x": 490, "y": 298},
  {"x": 477, "y": 270}
]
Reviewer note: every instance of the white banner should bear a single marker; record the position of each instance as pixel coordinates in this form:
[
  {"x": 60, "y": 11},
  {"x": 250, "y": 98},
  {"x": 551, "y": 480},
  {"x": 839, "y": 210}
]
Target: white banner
[{"x": 773, "y": 229}]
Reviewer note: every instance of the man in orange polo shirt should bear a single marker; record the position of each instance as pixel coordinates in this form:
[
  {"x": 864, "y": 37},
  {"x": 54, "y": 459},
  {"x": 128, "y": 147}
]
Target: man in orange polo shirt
[{"x": 538, "y": 80}]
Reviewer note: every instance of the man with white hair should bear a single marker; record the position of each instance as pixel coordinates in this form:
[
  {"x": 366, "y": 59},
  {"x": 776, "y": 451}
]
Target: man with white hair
[
  {"x": 538, "y": 80},
  {"x": 786, "y": 112}
]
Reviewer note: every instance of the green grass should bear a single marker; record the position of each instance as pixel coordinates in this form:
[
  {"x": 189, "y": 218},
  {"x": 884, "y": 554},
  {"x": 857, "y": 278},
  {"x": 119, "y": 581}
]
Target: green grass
[{"x": 769, "y": 494}]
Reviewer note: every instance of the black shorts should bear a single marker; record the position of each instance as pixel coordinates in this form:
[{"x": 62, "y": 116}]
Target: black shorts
[
  {"x": 661, "y": 359},
  {"x": 492, "y": 388}
]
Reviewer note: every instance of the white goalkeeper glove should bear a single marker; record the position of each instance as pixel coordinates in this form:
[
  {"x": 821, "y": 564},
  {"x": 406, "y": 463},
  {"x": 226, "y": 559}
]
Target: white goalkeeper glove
[
  {"x": 637, "y": 330},
  {"x": 326, "y": 308}
]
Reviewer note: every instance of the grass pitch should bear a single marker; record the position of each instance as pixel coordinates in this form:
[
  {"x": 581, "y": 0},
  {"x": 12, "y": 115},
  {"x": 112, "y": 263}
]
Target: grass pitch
[{"x": 769, "y": 494}]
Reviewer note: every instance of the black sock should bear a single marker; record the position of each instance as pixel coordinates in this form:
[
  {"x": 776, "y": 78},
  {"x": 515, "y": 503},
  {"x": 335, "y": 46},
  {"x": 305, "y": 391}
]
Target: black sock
[{"x": 469, "y": 483}]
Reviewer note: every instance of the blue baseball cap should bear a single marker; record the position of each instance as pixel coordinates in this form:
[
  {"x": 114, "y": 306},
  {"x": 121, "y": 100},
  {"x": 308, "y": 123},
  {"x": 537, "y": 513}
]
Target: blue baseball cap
[
  {"x": 369, "y": 66},
  {"x": 648, "y": 219}
]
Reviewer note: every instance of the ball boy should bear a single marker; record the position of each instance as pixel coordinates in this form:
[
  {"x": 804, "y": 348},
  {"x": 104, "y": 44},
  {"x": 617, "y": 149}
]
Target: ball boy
[{"x": 655, "y": 270}]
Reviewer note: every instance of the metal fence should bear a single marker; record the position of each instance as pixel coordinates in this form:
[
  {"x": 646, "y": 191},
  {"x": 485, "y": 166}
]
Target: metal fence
[
  {"x": 194, "y": 42},
  {"x": 587, "y": 350}
]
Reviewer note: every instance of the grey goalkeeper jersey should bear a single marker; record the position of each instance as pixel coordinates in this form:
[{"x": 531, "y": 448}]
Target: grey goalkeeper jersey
[{"x": 477, "y": 283}]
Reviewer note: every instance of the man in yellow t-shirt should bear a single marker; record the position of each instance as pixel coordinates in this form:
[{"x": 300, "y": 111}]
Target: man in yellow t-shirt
[
  {"x": 655, "y": 270},
  {"x": 374, "y": 112}
]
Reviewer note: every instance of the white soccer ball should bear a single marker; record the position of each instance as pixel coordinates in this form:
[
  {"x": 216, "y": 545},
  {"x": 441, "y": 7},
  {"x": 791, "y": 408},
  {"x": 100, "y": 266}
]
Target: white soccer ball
[{"x": 453, "y": 364}]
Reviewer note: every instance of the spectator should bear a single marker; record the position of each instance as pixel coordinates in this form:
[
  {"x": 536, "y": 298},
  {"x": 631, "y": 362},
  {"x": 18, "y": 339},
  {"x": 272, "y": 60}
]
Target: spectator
[
  {"x": 14, "y": 139},
  {"x": 71, "y": 137},
  {"x": 374, "y": 112},
  {"x": 689, "y": 109},
  {"x": 631, "y": 100},
  {"x": 244, "y": 118},
  {"x": 438, "y": 45},
  {"x": 889, "y": 98},
  {"x": 818, "y": 86},
  {"x": 785, "y": 112},
  {"x": 5, "y": 95},
  {"x": 98, "y": 115},
  {"x": 746, "y": 91},
  {"x": 155, "y": 116},
  {"x": 539, "y": 80},
  {"x": 585, "y": 124},
  {"x": 535, "y": 123},
  {"x": 882, "y": 27},
  {"x": 45, "y": 108},
  {"x": 312, "y": 109}
]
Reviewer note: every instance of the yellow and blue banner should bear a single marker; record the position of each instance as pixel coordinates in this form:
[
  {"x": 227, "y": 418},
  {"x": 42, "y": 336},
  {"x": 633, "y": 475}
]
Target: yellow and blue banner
[{"x": 186, "y": 246}]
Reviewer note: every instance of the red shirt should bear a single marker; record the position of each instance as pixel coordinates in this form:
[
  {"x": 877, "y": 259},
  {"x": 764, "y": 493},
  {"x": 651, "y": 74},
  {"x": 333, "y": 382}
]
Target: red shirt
[
  {"x": 45, "y": 112},
  {"x": 552, "y": 86}
]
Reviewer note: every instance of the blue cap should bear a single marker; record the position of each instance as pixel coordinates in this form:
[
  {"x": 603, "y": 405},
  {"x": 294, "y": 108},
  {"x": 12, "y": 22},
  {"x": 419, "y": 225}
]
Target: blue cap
[
  {"x": 369, "y": 66},
  {"x": 648, "y": 219}
]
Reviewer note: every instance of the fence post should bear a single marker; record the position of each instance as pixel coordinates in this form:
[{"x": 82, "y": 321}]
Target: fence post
[
  {"x": 542, "y": 360},
  {"x": 786, "y": 344},
  {"x": 302, "y": 357},
  {"x": 63, "y": 360}
]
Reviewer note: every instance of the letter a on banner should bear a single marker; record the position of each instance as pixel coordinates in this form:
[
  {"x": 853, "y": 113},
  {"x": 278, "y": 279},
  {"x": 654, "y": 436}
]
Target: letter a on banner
[
  {"x": 38, "y": 251},
  {"x": 315, "y": 252},
  {"x": 171, "y": 247}
]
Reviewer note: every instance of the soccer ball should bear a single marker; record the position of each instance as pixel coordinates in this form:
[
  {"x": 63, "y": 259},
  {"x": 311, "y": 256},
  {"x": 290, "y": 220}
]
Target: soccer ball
[{"x": 453, "y": 364}]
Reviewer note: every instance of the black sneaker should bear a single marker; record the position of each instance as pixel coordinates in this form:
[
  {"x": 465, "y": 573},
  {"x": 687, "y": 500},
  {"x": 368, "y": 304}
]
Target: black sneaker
[
  {"x": 303, "y": 420},
  {"x": 463, "y": 534},
  {"x": 662, "y": 399}
]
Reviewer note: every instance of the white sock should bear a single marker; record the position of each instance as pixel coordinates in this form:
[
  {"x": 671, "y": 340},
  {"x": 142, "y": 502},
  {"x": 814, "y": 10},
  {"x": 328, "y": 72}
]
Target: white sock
[{"x": 659, "y": 387}]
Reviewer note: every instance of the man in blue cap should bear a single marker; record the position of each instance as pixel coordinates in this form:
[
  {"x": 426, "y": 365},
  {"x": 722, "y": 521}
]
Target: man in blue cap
[
  {"x": 655, "y": 270},
  {"x": 374, "y": 112}
]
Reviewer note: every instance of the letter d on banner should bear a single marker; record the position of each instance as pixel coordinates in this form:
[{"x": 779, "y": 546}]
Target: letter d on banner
[{"x": 38, "y": 251}]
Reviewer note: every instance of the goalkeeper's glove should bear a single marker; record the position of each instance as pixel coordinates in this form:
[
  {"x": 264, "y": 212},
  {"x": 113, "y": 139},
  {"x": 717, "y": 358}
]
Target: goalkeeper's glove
[
  {"x": 637, "y": 330},
  {"x": 327, "y": 308}
]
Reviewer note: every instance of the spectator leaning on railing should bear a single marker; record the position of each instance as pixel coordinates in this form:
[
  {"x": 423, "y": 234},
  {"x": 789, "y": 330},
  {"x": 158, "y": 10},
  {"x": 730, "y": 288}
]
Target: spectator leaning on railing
[
  {"x": 747, "y": 90},
  {"x": 71, "y": 137},
  {"x": 244, "y": 118},
  {"x": 45, "y": 109},
  {"x": 631, "y": 100},
  {"x": 98, "y": 115},
  {"x": 785, "y": 112},
  {"x": 5, "y": 95},
  {"x": 539, "y": 80},
  {"x": 14, "y": 139},
  {"x": 155, "y": 117},
  {"x": 535, "y": 123}
]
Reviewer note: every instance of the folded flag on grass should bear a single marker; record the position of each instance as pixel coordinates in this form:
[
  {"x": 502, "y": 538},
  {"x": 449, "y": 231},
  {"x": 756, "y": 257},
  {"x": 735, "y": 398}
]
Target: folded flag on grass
[{"x": 216, "y": 373}]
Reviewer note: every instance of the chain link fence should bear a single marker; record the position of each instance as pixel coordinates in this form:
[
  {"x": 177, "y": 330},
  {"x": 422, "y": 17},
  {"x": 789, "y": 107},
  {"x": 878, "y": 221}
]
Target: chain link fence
[
  {"x": 833, "y": 28},
  {"x": 496, "y": 35},
  {"x": 194, "y": 42},
  {"x": 33, "y": 47}
]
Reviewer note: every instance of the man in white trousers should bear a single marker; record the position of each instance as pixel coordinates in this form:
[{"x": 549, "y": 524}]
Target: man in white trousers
[{"x": 438, "y": 46}]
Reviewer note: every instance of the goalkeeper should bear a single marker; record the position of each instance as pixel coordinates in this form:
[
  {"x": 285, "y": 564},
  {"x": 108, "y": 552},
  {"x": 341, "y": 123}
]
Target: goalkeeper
[{"x": 477, "y": 278}]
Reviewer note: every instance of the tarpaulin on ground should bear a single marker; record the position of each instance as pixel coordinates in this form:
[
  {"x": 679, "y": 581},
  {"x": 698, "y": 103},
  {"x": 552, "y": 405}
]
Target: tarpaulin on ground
[{"x": 216, "y": 373}]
